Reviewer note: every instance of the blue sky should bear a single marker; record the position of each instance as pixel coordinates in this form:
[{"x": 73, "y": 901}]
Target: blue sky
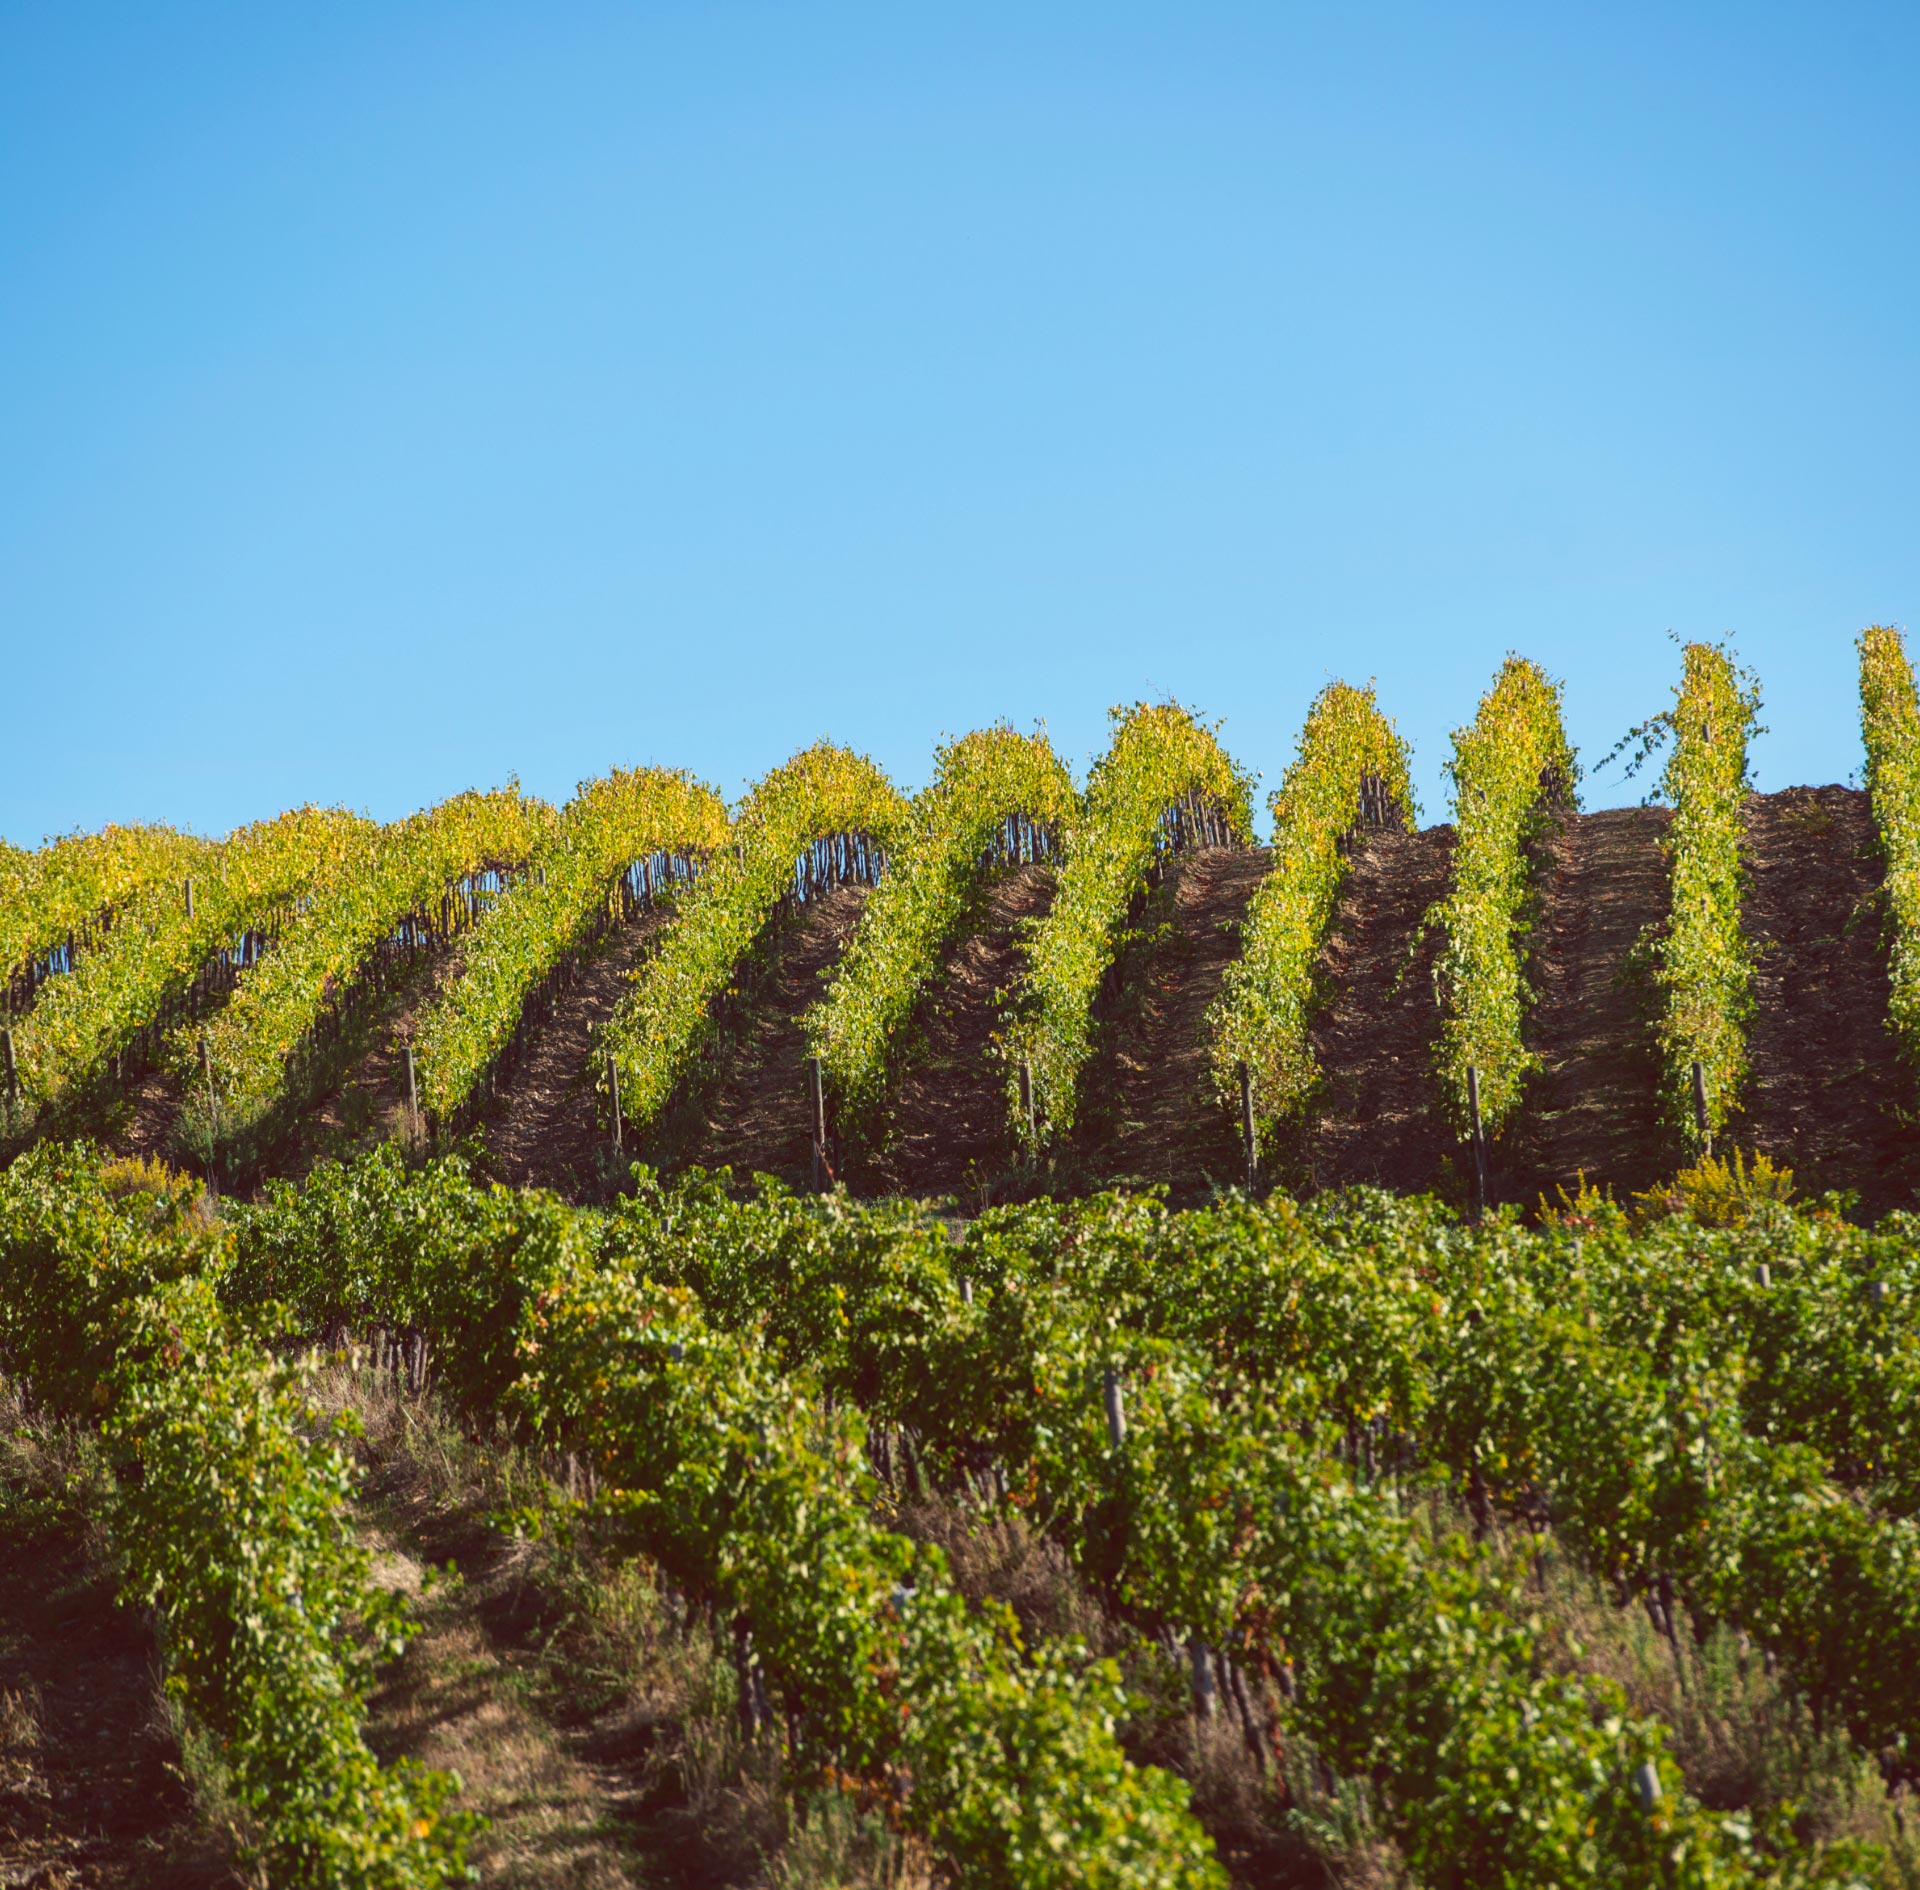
[{"x": 396, "y": 398}]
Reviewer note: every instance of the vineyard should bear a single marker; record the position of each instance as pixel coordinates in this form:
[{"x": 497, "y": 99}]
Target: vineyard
[{"x": 1010, "y": 1335}]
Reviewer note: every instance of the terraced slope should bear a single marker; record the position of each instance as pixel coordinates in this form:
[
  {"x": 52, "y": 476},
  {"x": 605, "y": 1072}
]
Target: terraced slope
[{"x": 1826, "y": 1094}]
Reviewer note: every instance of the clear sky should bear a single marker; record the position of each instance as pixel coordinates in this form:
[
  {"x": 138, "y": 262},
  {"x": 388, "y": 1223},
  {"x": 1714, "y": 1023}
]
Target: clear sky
[{"x": 394, "y": 398}]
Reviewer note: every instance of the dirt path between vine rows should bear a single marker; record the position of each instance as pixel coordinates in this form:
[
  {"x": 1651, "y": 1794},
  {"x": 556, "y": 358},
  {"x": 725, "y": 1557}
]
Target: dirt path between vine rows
[
  {"x": 154, "y": 1105},
  {"x": 755, "y": 1117},
  {"x": 545, "y": 1132},
  {"x": 1378, "y": 1118},
  {"x": 367, "y": 1104},
  {"x": 1154, "y": 1115},
  {"x": 1594, "y": 1109},
  {"x": 1826, "y": 1084},
  {"x": 947, "y": 1131},
  {"x": 91, "y": 1792}
]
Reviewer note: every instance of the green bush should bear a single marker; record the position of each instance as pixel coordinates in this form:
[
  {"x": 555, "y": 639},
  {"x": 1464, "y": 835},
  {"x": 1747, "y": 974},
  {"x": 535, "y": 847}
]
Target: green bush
[
  {"x": 1507, "y": 770},
  {"x": 661, "y": 1026},
  {"x": 1162, "y": 769},
  {"x": 1263, "y": 1011},
  {"x": 982, "y": 783}
]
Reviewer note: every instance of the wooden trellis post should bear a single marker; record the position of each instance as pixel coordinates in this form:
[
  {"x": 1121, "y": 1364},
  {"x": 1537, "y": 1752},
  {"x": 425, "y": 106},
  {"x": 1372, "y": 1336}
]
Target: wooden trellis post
[
  {"x": 817, "y": 1097},
  {"x": 1700, "y": 1109},
  {"x": 613, "y": 1090},
  {"x": 213, "y": 1110},
  {"x": 1478, "y": 1132},
  {"x": 1247, "y": 1136}
]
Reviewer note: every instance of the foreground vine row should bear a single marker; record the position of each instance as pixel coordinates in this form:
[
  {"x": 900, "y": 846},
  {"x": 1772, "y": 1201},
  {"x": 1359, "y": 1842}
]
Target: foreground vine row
[{"x": 1228, "y": 1418}]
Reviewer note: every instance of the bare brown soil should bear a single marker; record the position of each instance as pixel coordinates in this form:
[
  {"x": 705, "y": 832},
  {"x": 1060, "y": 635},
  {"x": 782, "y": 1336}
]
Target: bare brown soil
[
  {"x": 92, "y": 1796},
  {"x": 546, "y": 1131},
  {"x": 367, "y": 1104},
  {"x": 370, "y": 1100},
  {"x": 148, "y": 1130},
  {"x": 1152, "y": 1112},
  {"x": 1826, "y": 1087},
  {"x": 947, "y": 1130},
  {"x": 1378, "y": 1118},
  {"x": 754, "y": 1112},
  {"x": 1594, "y": 1109}
]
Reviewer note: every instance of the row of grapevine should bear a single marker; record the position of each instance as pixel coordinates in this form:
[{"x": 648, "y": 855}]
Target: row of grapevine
[
  {"x": 1218, "y": 1486},
  {"x": 228, "y": 1518},
  {"x": 58, "y": 900},
  {"x": 996, "y": 797},
  {"x": 1705, "y": 966},
  {"x": 1509, "y": 770},
  {"x": 171, "y": 953},
  {"x": 1262, "y": 1015},
  {"x": 658, "y": 820},
  {"x": 1164, "y": 782},
  {"x": 751, "y": 1496},
  {"x": 824, "y": 794},
  {"x": 1686, "y": 1413},
  {"x": 1189, "y": 1498},
  {"x": 1890, "y": 723},
  {"x": 393, "y": 884}
]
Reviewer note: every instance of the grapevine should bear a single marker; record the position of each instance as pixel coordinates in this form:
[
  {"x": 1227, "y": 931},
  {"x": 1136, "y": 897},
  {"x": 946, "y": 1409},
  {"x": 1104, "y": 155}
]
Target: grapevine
[
  {"x": 169, "y": 957},
  {"x": 389, "y": 885},
  {"x": 1890, "y": 722},
  {"x": 1163, "y": 782},
  {"x": 1508, "y": 770},
  {"x": 1261, "y": 1016},
  {"x": 994, "y": 796},
  {"x": 1704, "y": 965},
  {"x": 650, "y": 824},
  {"x": 824, "y": 799}
]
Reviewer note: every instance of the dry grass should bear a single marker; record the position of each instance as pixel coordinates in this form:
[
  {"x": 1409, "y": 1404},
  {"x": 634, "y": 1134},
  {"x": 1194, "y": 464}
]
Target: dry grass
[
  {"x": 1742, "y": 1741},
  {"x": 590, "y": 1714}
]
